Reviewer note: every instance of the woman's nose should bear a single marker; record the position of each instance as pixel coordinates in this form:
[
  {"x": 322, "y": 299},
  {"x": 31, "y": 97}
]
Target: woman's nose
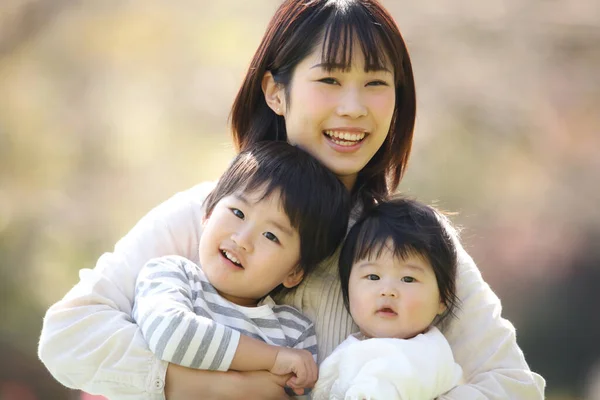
[{"x": 351, "y": 104}]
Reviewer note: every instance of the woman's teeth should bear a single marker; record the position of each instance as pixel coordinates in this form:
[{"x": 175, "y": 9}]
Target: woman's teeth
[{"x": 345, "y": 138}]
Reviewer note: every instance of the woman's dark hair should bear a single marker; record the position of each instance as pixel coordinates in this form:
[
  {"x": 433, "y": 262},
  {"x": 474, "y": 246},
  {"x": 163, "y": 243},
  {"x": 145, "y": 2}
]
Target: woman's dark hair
[
  {"x": 295, "y": 30},
  {"x": 412, "y": 228},
  {"x": 315, "y": 201}
]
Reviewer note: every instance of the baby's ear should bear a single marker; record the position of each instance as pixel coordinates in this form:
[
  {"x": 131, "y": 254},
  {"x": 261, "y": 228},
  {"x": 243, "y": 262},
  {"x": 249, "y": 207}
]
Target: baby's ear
[
  {"x": 442, "y": 309},
  {"x": 294, "y": 277}
]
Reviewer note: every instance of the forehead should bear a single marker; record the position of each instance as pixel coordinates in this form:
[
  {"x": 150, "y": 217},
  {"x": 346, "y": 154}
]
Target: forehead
[
  {"x": 349, "y": 55},
  {"x": 388, "y": 257},
  {"x": 260, "y": 195}
]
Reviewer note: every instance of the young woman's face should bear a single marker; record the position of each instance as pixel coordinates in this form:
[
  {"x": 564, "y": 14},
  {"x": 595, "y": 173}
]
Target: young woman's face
[{"x": 340, "y": 117}]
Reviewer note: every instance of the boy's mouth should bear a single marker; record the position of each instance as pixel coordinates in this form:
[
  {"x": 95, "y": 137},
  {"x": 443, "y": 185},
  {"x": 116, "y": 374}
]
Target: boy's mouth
[
  {"x": 345, "y": 138},
  {"x": 231, "y": 257}
]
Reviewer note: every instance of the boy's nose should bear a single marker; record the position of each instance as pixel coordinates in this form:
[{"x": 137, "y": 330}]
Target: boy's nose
[{"x": 243, "y": 239}]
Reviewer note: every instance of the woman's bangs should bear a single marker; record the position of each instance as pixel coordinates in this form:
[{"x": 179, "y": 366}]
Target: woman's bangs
[{"x": 344, "y": 30}]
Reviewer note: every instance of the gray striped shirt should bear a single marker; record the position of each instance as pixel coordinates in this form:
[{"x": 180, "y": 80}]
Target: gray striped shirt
[{"x": 186, "y": 322}]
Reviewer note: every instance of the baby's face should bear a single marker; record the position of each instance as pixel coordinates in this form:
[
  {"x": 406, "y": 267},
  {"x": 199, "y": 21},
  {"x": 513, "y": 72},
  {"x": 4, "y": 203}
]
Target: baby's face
[
  {"x": 392, "y": 297},
  {"x": 248, "y": 247}
]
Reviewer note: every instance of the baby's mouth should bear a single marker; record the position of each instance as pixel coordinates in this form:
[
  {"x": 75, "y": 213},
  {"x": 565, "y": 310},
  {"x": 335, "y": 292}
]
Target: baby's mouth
[
  {"x": 231, "y": 258},
  {"x": 386, "y": 311}
]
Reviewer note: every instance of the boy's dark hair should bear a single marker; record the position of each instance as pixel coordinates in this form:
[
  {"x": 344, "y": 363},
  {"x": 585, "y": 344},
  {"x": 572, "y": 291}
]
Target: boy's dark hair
[
  {"x": 313, "y": 198},
  {"x": 413, "y": 228}
]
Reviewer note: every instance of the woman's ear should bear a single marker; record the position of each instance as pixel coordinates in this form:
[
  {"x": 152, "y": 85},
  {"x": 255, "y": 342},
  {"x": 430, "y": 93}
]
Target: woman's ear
[
  {"x": 294, "y": 277},
  {"x": 274, "y": 93}
]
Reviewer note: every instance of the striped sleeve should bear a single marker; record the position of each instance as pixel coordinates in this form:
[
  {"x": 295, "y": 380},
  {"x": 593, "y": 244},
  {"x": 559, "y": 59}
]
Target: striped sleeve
[
  {"x": 299, "y": 330},
  {"x": 308, "y": 341},
  {"x": 164, "y": 311}
]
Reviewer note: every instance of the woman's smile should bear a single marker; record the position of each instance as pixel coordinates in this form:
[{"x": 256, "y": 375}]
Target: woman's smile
[
  {"x": 340, "y": 116},
  {"x": 345, "y": 139}
]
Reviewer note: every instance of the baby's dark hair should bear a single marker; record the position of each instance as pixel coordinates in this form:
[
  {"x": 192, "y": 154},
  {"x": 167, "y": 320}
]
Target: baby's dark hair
[
  {"x": 412, "y": 228},
  {"x": 314, "y": 199}
]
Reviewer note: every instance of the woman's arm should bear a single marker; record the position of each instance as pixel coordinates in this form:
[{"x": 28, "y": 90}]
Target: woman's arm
[
  {"x": 88, "y": 339},
  {"x": 484, "y": 344},
  {"x": 187, "y": 384}
]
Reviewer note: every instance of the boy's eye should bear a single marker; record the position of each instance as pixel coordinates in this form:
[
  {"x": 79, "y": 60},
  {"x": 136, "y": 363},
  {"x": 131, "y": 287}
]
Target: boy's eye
[
  {"x": 372, "y": 277},
  {"x": 329, "y": 81},
  {"x": 408, "y": 279},
  {"x": 238, "y": 213},
  {"x": 271, "y": 237}
]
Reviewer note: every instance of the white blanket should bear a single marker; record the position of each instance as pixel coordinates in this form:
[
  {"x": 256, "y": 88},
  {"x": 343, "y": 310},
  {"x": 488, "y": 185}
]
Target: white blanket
[{"x": 420, "y": 368}]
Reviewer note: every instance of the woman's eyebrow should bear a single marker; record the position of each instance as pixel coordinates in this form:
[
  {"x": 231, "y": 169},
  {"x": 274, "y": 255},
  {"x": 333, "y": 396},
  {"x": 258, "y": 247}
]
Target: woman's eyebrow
[{"x": 330, "y": 66}]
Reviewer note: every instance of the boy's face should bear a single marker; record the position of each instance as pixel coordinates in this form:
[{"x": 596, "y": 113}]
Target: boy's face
[
  {"x": 248, "y": 247},
  {"x": 393, "y": 298}
]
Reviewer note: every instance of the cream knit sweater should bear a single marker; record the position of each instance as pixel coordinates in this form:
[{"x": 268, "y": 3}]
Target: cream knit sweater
[{"x": 89, "y": 341}]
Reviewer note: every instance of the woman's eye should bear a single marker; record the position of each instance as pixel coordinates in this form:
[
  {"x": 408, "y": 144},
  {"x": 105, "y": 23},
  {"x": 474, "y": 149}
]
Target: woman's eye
[
  {"x": 408, "y": 279},
  {"x": 329, "y": 81},
  {"x": 271, "y": 237},
  {"x": 378, "y": 83},
  {"x": 372, "y": 277},
  {"x": 238, "y": 213}
]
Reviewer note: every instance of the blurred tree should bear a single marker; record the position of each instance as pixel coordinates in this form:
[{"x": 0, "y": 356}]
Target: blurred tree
[{"x": 561, "y": 337}]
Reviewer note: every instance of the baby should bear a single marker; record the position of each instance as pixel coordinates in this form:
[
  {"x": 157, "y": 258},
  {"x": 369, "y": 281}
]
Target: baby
[
  {"x": 397, "y": 269},
  {"x": 273, "y": 216}
]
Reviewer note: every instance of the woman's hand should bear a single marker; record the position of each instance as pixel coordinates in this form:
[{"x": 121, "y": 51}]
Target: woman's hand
[{"x": 185, "y": 384}]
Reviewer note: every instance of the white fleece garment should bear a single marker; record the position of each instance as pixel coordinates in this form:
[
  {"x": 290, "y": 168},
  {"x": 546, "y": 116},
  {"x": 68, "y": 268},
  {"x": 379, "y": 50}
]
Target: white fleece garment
[{"x": 421, "y": 368}]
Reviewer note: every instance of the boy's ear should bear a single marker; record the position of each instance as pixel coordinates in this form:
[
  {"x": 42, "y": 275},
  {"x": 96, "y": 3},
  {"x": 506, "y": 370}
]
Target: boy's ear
[
  {"x": 205, "y": 219},
  {"x": 294, "y": 277},
  {"x": 274, "y": 93}
]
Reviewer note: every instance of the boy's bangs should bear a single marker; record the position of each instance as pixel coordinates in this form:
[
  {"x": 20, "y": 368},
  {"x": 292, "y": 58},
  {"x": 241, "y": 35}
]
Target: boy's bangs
[
  {"x": 344, "y": 30},
  {"x": 277, "y": 182}
]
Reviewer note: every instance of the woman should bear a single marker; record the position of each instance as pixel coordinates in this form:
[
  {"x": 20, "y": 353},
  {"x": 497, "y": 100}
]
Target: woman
[{"x": 335, "y": 78}]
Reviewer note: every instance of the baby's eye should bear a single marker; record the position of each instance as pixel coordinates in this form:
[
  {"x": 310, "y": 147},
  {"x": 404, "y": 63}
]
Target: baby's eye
[
  {"x": 329, "y": 81},
  {"x": 408, "y": 279},
  {"x": 271, "y": 237},
  {"x": 372, "y": 277},
  {"x": 238, "y": 213}
]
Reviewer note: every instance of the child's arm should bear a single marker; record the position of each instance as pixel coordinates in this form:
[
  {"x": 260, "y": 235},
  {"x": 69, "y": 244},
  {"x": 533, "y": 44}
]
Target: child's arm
[
  {"x": 305, "y": 369},
  {"x": 164, "y": 310}
]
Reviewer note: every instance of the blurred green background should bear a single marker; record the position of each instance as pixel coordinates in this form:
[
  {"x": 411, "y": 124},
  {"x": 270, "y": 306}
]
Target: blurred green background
[{"x": 107, "y": 108}]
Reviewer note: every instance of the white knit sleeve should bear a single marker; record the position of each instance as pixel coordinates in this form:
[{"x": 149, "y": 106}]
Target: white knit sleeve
[
  {"x": 88, "y": 339},
  {"x": 484, "y": 344}
]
